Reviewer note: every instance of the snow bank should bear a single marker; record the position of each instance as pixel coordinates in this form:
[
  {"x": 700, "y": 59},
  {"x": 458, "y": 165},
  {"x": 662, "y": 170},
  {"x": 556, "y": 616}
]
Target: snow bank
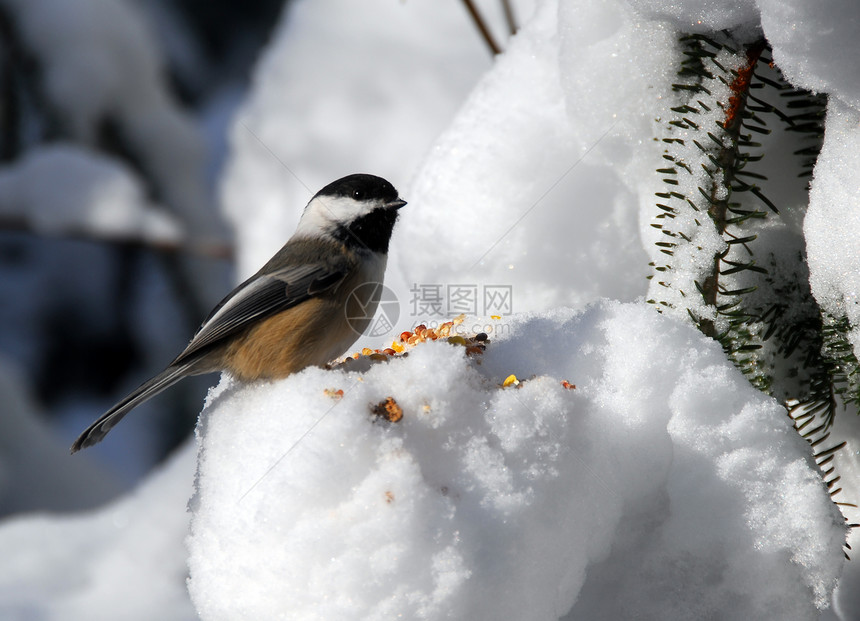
[
  {"x": 700, "y": 15},
  {"x": 35, "y": 473},
  {"x": 834, "y": 250},
  {"x": 815, "y": 44},
  {"x": 525, "y": 187},
  {"x": 124, "y": 561},
  {"x": 486, "y": 502}
]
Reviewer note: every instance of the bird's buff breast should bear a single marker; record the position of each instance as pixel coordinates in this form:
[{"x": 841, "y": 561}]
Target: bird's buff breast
[{"x": 312, "y": 333}]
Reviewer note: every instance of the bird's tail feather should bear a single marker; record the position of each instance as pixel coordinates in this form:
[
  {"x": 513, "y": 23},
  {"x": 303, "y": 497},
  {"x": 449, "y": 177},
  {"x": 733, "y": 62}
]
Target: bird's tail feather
[{"x": 99, "y": 429}]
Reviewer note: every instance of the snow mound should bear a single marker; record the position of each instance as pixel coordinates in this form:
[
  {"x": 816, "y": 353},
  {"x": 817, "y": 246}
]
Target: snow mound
[
  {"x": 526, "y": 186},
  {"x": 815, "y": 44},
  {"x": 35, "y": 471},
  {"x": 661, "y": 467},
  {"x": 700, "y": 15},
  {"x": 834, "y": 251},
  {"x": 124, "y": 561}
]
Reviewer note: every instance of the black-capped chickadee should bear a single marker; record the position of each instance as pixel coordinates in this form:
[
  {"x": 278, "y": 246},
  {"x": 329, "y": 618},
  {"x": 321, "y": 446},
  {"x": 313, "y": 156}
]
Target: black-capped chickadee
[{"x": 305, "y": 307}]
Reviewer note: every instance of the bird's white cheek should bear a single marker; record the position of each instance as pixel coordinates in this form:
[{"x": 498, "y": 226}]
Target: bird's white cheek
[
  {"x": 324, "y": 213},
  {"x": 314, "y": 223}
]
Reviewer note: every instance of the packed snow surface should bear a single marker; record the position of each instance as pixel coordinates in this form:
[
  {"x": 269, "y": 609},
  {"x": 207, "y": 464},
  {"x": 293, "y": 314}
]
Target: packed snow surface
[
  {"x": 661, "y": 466},
  {"x": 123, "y": 561}
]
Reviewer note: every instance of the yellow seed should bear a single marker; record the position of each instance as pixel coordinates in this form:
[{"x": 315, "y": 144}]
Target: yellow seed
[
  {"x": 366, "y": 351},
  {"x": 509, "y": 380},
  {"x": 397, "y": 346},
  {"x": 496, "y": 317},
  {"x": 456, "y": 340},
  {"x": 459, "y": 319}
]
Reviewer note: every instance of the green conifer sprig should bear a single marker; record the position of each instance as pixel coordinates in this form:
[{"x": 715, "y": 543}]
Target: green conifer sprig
[
  {"x": 807, "y": 118},
  {"x": 828, "y": 364},
  {"x": 711, "y": 140},
  {"x": 711, "y": 214},
  {"x": 766, "y": 319}
]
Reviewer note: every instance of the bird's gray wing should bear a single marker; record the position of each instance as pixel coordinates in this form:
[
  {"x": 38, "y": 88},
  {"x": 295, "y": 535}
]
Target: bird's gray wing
[
  {"x": 261, "y": 296},
  {"x": 257, "y": 297},
  {"x": 98, "y": 430}
]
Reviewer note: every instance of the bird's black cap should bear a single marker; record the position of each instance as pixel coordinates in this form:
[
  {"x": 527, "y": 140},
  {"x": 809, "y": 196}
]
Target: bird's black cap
[{"x": 361, "y": 187}]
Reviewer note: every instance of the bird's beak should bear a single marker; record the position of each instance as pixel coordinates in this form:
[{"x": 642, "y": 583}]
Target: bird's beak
[{"x": 395, "y": 204}]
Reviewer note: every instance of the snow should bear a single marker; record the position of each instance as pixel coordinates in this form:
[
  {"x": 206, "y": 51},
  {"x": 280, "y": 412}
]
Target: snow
[
  {"x": 123, "y": 561},
  {"x": 700, "y": 15},
  {"x": 100, "y": 66},
  {"x": 816, "y": 48},
  {"x": 834, "y": 251},
  {"x": 88, "y": 194},
  {"x": 502, "y": 210},
  {"x": 306, "y": 124},
  {"x": 486, "y": 502},
  {"x": 814, "y": 44},
  {"x": 661, "y": 487},
  {"x": 35, "y": 474}
]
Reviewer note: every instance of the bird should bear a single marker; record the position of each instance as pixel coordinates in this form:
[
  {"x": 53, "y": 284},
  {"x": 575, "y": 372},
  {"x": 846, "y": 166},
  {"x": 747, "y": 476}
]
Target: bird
[{"x": 305, "y": 307}]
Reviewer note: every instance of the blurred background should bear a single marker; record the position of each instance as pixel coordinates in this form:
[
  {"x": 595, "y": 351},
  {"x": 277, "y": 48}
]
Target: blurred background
[
  {"x": 115, "y": 135},
  {"x": 130, "y": 100}
]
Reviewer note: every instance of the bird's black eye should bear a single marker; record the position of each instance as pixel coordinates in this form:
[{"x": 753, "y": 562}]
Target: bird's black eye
[{"x": 358, "y": 194}]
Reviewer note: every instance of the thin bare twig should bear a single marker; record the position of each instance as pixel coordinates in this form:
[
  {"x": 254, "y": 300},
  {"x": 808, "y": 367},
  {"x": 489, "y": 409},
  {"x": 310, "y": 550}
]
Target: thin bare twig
[
  {"x": 482, "y": 27},
  {"x": 510, "y": 18}
]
